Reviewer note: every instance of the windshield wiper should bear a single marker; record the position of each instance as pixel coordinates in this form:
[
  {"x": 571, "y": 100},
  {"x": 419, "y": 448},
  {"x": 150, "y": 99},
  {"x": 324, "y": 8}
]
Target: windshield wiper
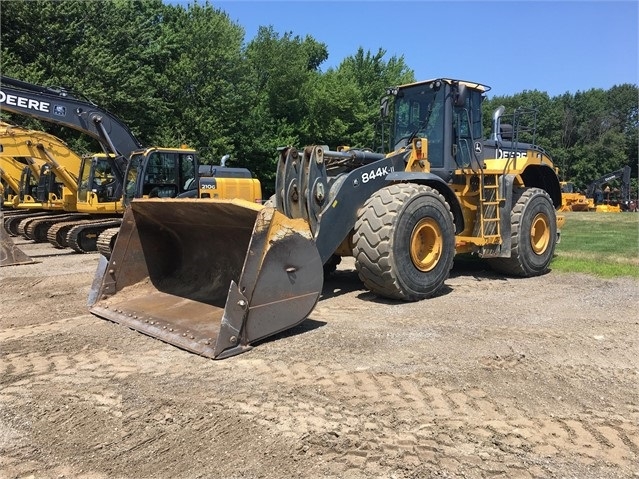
[{"x": 421, "y": 124}]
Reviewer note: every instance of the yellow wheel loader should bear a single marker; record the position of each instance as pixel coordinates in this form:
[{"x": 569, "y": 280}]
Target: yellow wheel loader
[{"x": 214, "y": 277}]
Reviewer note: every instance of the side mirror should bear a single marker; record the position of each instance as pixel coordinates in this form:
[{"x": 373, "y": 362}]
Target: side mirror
[
  {"x": 384, "y": 106},
  {"x": 460, "y": 95}
]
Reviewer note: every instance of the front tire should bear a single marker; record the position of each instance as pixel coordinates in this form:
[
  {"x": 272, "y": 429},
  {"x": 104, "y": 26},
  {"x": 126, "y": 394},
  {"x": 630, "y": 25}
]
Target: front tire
[
  {"x": 404, "y": 242},
  {"x": 533, "y": 235}
]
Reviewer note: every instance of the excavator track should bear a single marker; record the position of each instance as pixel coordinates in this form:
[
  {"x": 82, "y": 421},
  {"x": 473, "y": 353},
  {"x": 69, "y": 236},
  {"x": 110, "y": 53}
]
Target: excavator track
[
  {"x": 37, "y": 229},
  {"x": 11, "y": 212},
  {"x": 11, "y": 222},
  {"x": 83, "y": 238},
  {"x": 106, "y": 240},
  {"x": 57, "y": 234}
]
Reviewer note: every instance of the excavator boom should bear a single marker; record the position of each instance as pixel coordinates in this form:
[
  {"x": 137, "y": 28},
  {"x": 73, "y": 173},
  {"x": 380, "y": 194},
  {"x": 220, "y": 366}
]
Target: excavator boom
[
  {"x": 45, "y": 148},
  {"x": 62, "y": 107}
]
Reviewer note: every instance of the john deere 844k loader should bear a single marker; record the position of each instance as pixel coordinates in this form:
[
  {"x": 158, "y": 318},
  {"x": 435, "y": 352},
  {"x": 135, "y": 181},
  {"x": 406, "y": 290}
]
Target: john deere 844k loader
[{"x": 213, "y": 277}]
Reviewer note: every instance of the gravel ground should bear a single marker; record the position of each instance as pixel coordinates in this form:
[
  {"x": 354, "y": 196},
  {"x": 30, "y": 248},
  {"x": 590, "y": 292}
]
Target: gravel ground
[{"x": 496, "y": 377}]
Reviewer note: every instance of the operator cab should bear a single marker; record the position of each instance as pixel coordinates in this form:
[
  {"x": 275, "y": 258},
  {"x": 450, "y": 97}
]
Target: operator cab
[
  {"x": 447, "y": 113},
  {"x": 28, "y": 184},
  {"x": 48, "y": 184},
  {"x": 161, "y": 173},
  {"x": 96, "y": 176}
]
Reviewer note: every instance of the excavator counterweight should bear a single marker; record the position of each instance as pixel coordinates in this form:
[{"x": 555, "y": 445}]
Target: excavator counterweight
[{"x": 239, "y": 273}]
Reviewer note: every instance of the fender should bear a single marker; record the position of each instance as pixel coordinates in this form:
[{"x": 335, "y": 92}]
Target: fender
[
  {"x": 437, "y": 183},
  {"x": 543, "y": 176}
]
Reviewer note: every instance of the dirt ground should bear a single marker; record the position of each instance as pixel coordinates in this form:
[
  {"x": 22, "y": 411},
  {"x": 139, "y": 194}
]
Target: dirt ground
[{"x": 495, "y": 378}]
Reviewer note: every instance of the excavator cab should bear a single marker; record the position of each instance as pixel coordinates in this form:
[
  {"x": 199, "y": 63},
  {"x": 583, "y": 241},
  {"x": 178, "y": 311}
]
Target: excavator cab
[
  {"x": 161, "y": 173},
  {"x": 12, "y": 171},
  {"x": 50, "y": 188},
  {"x": 97, "y": 181},
  {"x": 29, "y": 185}
]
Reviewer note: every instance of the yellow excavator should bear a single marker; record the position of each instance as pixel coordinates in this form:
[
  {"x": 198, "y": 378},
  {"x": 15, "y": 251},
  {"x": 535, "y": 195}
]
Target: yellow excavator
[
  {"x": 11, "y": 171},
  {"x": 137, "y": 171},
  {"x": 213, "y": 277},
  {"x": 57, "y": 182},
  {"x": 19, "y": 174},
  {"x": 15, "y": 171}
]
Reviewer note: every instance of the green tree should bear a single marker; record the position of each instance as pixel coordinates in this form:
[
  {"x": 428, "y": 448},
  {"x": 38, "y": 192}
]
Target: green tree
[
  {"x": 279, "y": 70},
  {"x": 363, "y": 79},
  {"x": 588, "y": 134},
  {"x": 203, "y": 83},
  {"x": 106, "y": 51},
  {"x": 606, "y": 126}
]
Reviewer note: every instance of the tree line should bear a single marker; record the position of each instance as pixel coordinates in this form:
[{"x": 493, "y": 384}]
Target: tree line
[{"x": 186, "y": 75}]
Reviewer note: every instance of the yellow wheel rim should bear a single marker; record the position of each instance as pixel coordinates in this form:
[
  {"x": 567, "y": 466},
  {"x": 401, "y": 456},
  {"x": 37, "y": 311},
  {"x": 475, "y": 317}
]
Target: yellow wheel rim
[
  {"x": 426, "y": 244},
  {"x": 540, "y": 233}
]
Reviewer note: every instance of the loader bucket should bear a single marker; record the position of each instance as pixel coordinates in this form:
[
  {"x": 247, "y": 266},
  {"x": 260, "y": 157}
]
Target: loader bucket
[
  {"x": 10, "y": 254},
  {"x": 209, "y": 276}
]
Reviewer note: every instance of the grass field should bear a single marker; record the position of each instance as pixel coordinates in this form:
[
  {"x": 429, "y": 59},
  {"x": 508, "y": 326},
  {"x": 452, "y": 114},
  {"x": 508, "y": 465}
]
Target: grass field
[{"x": 603, "y": 244}]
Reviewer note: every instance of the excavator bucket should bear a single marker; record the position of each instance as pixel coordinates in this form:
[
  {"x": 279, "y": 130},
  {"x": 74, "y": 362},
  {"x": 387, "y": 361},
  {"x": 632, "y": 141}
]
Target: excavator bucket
[
  {"x": 209, "y": 276},
  {"x": 10, "y": 254}
]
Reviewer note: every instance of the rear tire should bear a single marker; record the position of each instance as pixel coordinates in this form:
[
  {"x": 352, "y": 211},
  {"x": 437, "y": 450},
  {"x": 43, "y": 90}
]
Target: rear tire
[
  {"x": 533, "y": 234},
  {"x": 404, "y": 242}
]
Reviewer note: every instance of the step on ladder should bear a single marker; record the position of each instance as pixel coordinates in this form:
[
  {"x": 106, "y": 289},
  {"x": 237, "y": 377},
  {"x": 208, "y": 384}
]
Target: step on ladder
[{"x": 490, "y": 200}]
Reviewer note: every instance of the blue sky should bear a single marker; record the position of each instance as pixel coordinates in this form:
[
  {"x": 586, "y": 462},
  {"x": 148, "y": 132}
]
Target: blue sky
[{"x": 551, "y": 46}]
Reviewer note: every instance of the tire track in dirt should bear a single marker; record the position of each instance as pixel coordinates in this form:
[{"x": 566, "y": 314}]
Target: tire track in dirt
[
  {"x": 372, "y": 415},
  {"x": 360, "y": 416},
  {"x": 49, "y": 327},
  {"x": 326, "y": 399},
  {"x": 377, "y": 414}
]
